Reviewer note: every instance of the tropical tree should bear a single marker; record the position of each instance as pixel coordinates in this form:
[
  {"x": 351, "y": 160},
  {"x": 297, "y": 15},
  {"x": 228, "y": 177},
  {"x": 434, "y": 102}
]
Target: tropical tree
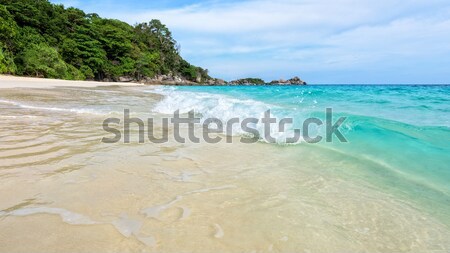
[
  {"x": 42, "y": 60},
  {"x": 39, "y": 38}
]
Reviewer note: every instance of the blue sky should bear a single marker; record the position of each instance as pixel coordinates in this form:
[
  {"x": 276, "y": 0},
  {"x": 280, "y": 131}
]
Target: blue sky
[{"x": 322, "y": 41}]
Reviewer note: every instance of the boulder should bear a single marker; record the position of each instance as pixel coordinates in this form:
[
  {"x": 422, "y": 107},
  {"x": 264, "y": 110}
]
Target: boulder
[
  {"x": 248, "y": 81},
  {"x": 126, "y": 79},
  {"x": 219, "y": 82},
  {"x": 293, "y": 81},
  {"x": 297, "y": 80}
]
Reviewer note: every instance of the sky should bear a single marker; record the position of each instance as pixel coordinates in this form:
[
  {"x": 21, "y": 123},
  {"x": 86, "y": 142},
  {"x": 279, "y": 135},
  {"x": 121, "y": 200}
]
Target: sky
[{"x": 321, "y": 41}]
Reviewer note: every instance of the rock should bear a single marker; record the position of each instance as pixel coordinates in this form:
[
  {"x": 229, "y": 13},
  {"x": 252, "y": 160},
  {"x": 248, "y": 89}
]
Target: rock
[
  {"x": 178, "y": 79},
  {"x": 125, "y": 79},
  {"x": 168, "y": 78},
  {"x": 171, "y": 79},
  {"x": 297, "y": 80},
  {"x": 219, "y": 82},
  {"x": 248, "y": 81},
  {"x": 293, "y": 81}
]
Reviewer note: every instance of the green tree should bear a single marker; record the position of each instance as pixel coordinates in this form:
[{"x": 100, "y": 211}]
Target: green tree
[
  {"x": 84, "y": 52},
  {"x": 115, "y": 37},
  {"x": 147, "y": 65},
  {"x": 44, "y": 39},
  {"x": 157, "y": 37},
  {"x": 7, "y": 65},
  {"x": 42, "y": 60},
  {"x": 8, "y": 27}
]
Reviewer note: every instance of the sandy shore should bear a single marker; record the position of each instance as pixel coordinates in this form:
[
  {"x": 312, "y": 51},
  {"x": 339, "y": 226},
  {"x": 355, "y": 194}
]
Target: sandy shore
[
  {"x": 29, "y": 82},
  {"x": 64, "y": 190}
]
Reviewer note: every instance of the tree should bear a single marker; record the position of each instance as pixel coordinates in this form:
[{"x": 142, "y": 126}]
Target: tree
[
  {"x": 8, "y": 27},
  {"x": 155, "y": 36},
  {"x": 162, "y": 38},
  {"x": 42, "y": 60},
  {"x": 43, "y": 39},
  {"x": 7, "y": 65},
  {"x": 147, "y": 65},
  {"x": 115, "y": 37},
  {"x": 84, "y": 52}
]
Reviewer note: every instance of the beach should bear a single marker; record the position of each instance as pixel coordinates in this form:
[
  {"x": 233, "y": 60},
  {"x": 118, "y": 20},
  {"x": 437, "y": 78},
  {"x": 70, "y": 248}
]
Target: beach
[
  {"x": 64, "y": 190},
  {"x": 30, "y": 82}
]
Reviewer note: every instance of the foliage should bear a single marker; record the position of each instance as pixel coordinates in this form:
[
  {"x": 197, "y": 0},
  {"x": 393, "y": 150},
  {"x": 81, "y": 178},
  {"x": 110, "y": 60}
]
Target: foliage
[
  {"x": 7, "y": 65},
  {"x": 249, "y": 81},
  {"x": 8, "y": 28},
  {"x": 43, "y": 39},
  {"x": 42, "y": 60}
]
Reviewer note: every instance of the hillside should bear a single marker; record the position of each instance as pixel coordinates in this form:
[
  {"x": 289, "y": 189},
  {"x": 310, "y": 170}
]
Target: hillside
[{"x": 41, "y": 39}]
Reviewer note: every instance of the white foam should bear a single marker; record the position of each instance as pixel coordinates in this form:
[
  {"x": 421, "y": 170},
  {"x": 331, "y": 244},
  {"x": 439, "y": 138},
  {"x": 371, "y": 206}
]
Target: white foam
[
  {"x": 219, "y": 231},
  {"x": 67, "y": 216},
  {"x": 127, "y": 226},
  {"x": 16, "y": 117},
  {"x": 124, "y": 225},
  {"x": 211, "y": 189},
  {"x": 147, "y": 240},
  {"x": 55, "y": 109},
  {"x": 186, "y": 177},
  {"x": 186, "y": 212},
  {"x": 222, "y": 107},
  {"x": 154, "y": 211},
  {"x": 130, "y": 227}
]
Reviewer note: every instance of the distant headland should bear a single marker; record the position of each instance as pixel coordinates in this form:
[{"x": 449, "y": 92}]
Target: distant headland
[
  {"x": 41, "y": 39},
  {"x": 178, "y": 80},
  {"x": 257, "y": 81}
]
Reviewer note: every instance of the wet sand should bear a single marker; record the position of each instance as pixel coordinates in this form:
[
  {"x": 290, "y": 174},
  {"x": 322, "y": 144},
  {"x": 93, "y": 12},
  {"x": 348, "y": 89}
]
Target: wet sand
[{"x": 63, "y": 190}]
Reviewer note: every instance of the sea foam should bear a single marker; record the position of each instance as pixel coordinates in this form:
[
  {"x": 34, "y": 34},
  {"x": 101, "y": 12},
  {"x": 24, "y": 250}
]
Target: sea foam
[
  {"x": 55, "y": 109},
  {"x": 222, "y": 107}
]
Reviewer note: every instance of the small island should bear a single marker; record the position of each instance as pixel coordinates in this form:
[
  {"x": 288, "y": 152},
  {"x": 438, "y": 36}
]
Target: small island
[{"x": 258, "y": 81}]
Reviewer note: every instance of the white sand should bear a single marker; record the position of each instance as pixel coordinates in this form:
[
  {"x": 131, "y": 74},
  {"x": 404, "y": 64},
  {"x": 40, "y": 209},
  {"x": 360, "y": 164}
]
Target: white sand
[{"x": 29, "y": 82}]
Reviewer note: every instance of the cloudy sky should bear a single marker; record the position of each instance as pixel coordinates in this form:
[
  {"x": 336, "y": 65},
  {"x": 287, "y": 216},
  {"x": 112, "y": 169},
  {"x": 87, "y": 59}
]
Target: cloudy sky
[{"x": 322, "y": 41}]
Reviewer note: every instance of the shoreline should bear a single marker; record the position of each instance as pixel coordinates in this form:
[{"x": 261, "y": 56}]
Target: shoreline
[
  {"x": 11, "y": 81},
  {"x": 8, "y": 82}
]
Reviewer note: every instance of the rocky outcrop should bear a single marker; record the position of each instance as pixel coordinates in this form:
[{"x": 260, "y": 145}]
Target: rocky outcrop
[
  {"x": 177, "y": 80},
  {"x": 293, "y": 81},
  {"x": 216, "y": 81},
  {"x": 169, "y": 80},
  {"x": 126, "y": 79},
  {"x": 248, "y": 81},
  {"x": 166, "y": 80}
]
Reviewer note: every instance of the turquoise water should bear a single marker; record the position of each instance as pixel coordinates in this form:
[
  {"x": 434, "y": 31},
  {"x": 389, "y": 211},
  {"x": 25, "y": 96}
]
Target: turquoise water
[{"x": 400, "y": 133}]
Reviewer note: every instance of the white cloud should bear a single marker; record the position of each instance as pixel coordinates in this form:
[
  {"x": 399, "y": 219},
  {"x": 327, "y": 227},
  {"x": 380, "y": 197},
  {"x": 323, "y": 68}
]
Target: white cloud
[{"x": 322, "y": 40}]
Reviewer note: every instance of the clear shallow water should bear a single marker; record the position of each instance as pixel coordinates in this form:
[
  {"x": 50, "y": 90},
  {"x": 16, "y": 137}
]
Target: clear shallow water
[
  {"x": 419, "y": 105},
  {"x": 402, "y": 132},
  {"x": 386, "y": 190}
]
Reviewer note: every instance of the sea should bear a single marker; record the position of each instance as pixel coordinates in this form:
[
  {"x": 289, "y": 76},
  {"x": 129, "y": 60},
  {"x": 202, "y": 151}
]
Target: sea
[{"x": 382, "y": 187}]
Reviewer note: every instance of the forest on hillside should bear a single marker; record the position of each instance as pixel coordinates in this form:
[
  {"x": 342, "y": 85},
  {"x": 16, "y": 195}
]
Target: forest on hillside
[{"x": 38, "y": 38}]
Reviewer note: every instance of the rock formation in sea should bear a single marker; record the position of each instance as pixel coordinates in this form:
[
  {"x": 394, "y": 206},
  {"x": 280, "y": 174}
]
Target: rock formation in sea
[
  {"x": 248, "y": 81},
  {"x": 293, "y": 81},
  {"x": 178, "y": 80},
  {"x": 257, "y": 81}
]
